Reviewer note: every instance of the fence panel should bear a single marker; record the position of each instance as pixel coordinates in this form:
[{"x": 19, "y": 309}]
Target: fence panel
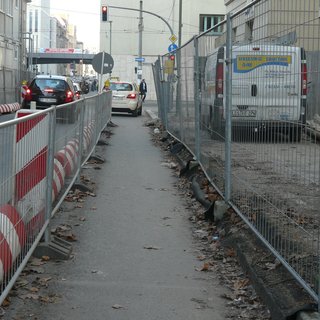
[
  {"x": 41, "y": 159},
  {"x": 275, "y": 153}
]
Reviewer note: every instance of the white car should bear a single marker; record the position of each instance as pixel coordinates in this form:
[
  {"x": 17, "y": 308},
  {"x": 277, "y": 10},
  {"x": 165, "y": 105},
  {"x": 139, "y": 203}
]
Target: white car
[{"x": 126, "y": 98}]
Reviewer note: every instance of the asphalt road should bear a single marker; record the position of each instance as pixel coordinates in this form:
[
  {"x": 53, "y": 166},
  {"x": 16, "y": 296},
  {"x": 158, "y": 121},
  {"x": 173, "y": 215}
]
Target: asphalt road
[{"x": 135, "y": 257}]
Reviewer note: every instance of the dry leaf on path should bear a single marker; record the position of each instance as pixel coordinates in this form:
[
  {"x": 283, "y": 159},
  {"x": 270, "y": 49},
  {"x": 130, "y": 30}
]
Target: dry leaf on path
[
  {"x": 118, "y": 306},
  {"x": 151, "y": 248}
]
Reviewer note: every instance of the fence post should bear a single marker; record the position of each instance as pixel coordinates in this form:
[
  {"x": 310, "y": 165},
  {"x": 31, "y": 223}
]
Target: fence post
[
  {"x": 228, "y": 128},
  {"x": 50, "y": 169},
  {"x": 197, "y": 98},
  {"x": 81, "y": 127}
]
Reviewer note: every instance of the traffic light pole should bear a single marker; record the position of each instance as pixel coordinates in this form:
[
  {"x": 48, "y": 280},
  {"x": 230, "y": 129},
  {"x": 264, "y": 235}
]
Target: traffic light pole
[
  {"x": 148, "y": 12},
  {"x": 139, "y": 76}
]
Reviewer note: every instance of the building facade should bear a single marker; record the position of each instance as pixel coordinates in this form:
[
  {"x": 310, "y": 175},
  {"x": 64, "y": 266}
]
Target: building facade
[
  {"x": 38, "y": 23},
  {"x": 120, "y": 34},
  {"x": 279, "y": 22},
  {"x": 13, "y": 37}
]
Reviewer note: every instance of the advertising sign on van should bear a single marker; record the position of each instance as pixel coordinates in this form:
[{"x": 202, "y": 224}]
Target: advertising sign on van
[{"x": 247, "y": 63}]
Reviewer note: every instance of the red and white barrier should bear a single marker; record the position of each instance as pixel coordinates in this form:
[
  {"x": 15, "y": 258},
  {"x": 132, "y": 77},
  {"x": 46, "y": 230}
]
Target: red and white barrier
[
  {"x": 30, "y": 158},
  {"x": 68, "y": 156},
  {"x": 12, "y": 237},
  {"x": 8, "y": 108},
  {"x": 58, "y": 179},
  {"x": 87, "y": 135}
]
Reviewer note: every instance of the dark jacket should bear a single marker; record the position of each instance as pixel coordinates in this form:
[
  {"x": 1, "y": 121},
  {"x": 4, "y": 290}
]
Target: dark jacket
[{"x": 143, "y": 87}]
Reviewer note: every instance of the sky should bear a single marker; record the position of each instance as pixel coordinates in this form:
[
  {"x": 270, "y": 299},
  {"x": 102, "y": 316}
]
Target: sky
[{"x": 85, "y": 14}]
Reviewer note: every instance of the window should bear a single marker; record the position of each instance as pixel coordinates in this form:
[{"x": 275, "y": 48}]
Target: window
[
  {"x": 234, "y": 34},
  {"x": 36, "y": 20},
  {"x": 30, "y": 21},
  {"x": 10, "y": 7},
  {"x": 16, "y": 51},
  {"x": 17, "y": 3},
  {"x": 249, "y": 30},
  {"x": 207, "y": 22},
  {"x": 2, "y": 5}
]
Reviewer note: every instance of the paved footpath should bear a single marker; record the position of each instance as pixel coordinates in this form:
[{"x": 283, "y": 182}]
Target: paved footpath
[{"x": 135, "y": 257}]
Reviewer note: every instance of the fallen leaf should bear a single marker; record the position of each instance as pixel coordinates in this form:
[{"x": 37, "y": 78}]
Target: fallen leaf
[
  {"x": 231, "y": 252},
  {"x": 43, "y": 281},
  {"x": 151, "y": 248},
  {"x": 45, "y": 258},
  {"x": 30, "y": 296},
  {"x": 21, "y": 283},
  {"x": 240, "y": 284},
  {"x": 82, "y": 219},
  {"x": 36, "y": 262},
  {"x": 205, "y": 267},
  {"x": 35, "y": 269},
  {"x": 118, "y": 306},
  {"x": 6, "y": 303}
]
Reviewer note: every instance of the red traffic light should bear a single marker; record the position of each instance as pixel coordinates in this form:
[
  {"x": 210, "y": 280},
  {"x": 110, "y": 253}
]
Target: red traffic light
[
  {"x": 104, "y": 11},
  {"x": 172, "y": 57}
]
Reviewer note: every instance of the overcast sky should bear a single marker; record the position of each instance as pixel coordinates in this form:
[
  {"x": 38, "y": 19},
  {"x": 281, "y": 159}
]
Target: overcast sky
[{"x": 85, "y": 14}]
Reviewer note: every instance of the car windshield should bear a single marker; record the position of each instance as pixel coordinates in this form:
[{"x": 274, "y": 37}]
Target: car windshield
[
  {"x": 121, "y": 86},
  {"x": 55, "y": 84}
]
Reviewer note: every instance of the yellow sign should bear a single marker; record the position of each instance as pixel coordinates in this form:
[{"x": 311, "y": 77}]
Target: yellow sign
[
  {"x": 168, "y": 66},
  {"x": 247, "y": 63},
  {"x": 173, "y": 38}
]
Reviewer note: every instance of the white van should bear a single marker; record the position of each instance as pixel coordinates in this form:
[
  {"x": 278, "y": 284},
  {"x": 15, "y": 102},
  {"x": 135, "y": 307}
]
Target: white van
[{"x": 269, "y": 89}]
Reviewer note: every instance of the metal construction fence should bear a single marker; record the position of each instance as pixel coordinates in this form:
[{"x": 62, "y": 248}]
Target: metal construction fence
[
  {"x": 42, "y": 154},
  {"x": 246, "y": 105}
]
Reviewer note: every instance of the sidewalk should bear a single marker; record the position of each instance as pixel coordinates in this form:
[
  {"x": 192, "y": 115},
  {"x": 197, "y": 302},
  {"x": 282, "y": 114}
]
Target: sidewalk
[{"x": 134, "y": 257}]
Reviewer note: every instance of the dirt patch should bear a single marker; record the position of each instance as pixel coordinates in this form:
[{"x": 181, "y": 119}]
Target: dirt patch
[{"x": 261, "y": 288}]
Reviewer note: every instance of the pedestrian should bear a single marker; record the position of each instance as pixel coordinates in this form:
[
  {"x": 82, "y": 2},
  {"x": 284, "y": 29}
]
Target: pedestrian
[
  {"x": 106, "y": 86},
  {"x": 143, "y": 89}
]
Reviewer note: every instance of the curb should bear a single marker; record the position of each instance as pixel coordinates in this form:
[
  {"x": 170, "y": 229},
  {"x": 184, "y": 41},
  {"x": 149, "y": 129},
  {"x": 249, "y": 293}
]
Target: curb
[
  {"x": 151, "y": 114},
  {"x": 284, "y": 300}
]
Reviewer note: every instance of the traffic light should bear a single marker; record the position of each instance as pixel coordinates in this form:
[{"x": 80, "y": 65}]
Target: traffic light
[
  {"x": 104, "y": 12},
  {"x": 172, "y": 57}
]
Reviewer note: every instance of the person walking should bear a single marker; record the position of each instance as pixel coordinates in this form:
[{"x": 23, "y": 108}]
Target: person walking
[{"x": 143, "y": 89}]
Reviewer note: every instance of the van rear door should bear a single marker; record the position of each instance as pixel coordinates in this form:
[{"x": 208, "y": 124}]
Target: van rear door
[{"x": 266, "y": 83}]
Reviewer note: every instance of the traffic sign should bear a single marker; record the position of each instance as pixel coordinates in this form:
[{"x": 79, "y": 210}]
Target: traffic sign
[
  {"x": 173, "y": 38},
  {"x": 140, "y": 59},
  {"x": 172, "y": 47},
  {"x": 102, "y": 63}
]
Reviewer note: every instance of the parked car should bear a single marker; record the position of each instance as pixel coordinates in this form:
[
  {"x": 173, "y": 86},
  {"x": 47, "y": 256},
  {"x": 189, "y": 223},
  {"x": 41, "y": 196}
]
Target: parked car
[
  {"x": 125, "y": 97},
  {"x": 77, "y": 90},
  {"x": 49, "y": 90}
]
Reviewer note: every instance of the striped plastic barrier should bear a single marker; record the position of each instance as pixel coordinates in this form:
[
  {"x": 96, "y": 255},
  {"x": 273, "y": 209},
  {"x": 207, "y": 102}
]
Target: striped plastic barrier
[
  {"x": 58, "y": 178},
  {"x": 87, "y": 136},
  {"x": 68, "y": 156},
  {"x": 12, "y": 237},
  {"x": 31, "y": 153},
  {"x": 8, "y": 108}
]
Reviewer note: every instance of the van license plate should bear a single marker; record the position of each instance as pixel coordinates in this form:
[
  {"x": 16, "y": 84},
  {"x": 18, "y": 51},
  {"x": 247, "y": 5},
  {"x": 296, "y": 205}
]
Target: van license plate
[{"x": 244, "y": 113}]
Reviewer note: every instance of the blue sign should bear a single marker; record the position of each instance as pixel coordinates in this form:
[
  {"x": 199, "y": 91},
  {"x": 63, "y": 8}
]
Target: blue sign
[
  {"x": 172, "y": 47},
  {"x": 140, "y": 59}
]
